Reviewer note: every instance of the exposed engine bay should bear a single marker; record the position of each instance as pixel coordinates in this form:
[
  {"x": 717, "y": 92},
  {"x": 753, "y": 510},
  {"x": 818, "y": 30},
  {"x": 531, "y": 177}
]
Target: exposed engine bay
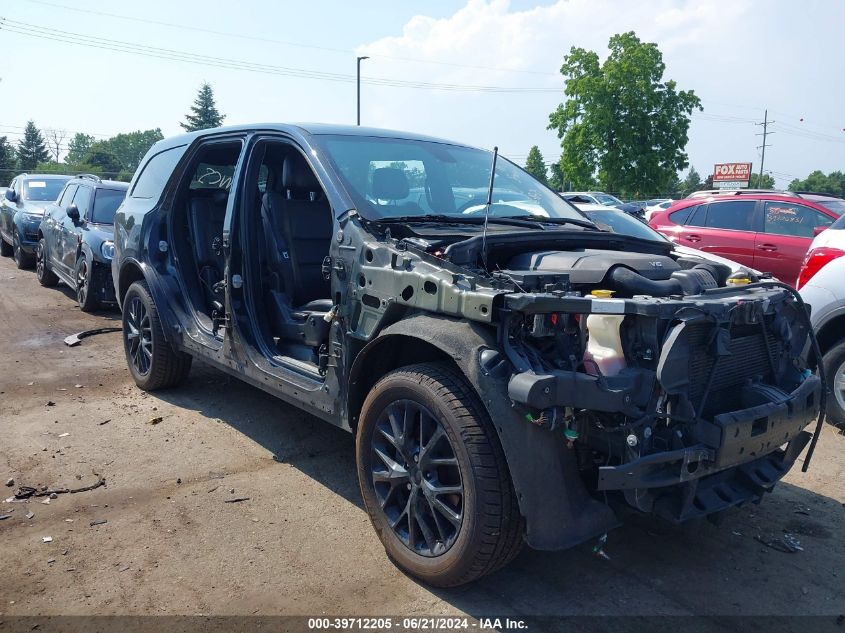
[{"x": 678, "y": 383}]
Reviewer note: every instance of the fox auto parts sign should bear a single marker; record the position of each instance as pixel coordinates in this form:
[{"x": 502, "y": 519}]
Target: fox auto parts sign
[{"x": 731, "y": 175}]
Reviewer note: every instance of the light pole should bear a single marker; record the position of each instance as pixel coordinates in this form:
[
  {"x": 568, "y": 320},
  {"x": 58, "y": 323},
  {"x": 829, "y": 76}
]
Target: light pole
[{"x": 358, "y": 82}]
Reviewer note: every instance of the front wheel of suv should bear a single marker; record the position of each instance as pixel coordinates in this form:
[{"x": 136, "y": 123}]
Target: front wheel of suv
[
  {"x": 46, "y": 277},
  {"x": 153, "y": 363},
  {"x": 22, "y": 260},
  {"x": 834, "y": 370},
  {"x": 433, "y": 477},
  {"x": 85, "y": 294}
]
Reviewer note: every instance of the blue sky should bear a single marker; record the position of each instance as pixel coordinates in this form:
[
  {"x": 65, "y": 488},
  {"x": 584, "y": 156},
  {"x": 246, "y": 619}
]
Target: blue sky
[{"x": 740, "y": 57}]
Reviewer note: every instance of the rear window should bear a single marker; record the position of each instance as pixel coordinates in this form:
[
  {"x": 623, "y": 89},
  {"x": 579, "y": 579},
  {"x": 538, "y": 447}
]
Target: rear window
[
  {"x": 156, "y": 173},
  {"x": 735, "y": 215},
  {"x": 681, "y": 217},
  {"x": 106, "y": 203}
]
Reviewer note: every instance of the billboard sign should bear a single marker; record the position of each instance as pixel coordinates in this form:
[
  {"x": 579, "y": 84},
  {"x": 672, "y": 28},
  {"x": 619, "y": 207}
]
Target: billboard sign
[{"x": 731, "y": 175}]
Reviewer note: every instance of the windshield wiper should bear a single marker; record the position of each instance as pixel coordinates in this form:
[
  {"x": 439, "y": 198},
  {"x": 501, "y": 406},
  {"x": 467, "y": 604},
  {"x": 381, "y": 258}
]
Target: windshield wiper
[
  {"x": 587, "y": 224},
  {"x": 524, "y": 221}
]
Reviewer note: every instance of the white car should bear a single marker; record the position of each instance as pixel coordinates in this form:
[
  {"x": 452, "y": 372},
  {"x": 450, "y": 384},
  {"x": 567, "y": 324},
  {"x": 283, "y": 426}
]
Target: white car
[
  {"x": 591, "y": 197},
  {"x": 658, "y": 204},
  {"x": 821, "y": 283}
]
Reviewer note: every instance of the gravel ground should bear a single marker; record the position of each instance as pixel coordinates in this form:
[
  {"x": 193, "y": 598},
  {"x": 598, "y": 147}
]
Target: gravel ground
[{"x": 301, "y": 543}]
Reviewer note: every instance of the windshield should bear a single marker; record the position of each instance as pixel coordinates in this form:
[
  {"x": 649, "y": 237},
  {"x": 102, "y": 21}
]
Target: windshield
[
  {"x": 45, "y": 190},
  {"x": 620, "y": 222},
  {"x": 836, "y": 205},
  {"x": 390, "y": 177},
  {"x": 607, "y": 199},
  {"x": 105, "y": 204}
]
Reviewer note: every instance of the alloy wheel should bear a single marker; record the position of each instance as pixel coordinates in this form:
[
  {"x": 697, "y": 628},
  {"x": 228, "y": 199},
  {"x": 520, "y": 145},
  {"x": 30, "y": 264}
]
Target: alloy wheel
[
  {"x": 40, "y": 266},
  {"x": 417, "y": 479},
  {"x": 138, "y": 333},
  {"x": 82, "y": 281}
]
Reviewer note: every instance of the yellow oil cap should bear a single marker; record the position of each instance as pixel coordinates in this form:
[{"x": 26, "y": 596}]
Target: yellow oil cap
[
  {"x": 602, "y": 294},
  {"x": 738, "y": 281}
]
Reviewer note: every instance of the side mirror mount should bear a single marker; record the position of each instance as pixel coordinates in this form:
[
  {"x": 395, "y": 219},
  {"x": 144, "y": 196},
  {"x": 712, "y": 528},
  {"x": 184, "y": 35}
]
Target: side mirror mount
[
  {"x": 11, "y": 196},
  {"x": 73, "y": 213},
  {"x": 818, "y": 229}
]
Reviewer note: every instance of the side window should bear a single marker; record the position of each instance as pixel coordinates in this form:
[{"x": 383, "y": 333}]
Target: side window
[
  {"x": 698, "y": 216},
  {"x": 785, "y": 218},
  {"x": 156, "y": 173},
  {"x": 82, "y": 200},
  {"x": 681, "y": 217},
  {"x": 67, "y": 196},
  {"x": 734, "y": 215}
]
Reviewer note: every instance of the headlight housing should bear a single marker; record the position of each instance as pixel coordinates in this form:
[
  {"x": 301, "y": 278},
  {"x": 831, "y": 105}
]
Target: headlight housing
[{"x": 107, "y": 249}]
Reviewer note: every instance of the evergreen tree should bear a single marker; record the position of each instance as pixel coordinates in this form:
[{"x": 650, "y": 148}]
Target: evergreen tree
[
  {"x": 691, "y": 183},
  {"x": 536, "y": 166},
  {"x": 8, "y": 162},
  {"x": 204, "y": 113},
  {"x": 31, "y": 148}
]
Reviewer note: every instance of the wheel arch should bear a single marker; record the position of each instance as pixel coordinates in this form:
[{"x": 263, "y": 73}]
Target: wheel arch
[
  {"x": 558, "y": 511},
  {"x": 831, "y": 332}
]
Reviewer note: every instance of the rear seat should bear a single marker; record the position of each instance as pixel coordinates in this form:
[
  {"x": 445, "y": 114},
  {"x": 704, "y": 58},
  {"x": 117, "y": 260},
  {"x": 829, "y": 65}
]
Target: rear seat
[{"x": 206, "y": 215}]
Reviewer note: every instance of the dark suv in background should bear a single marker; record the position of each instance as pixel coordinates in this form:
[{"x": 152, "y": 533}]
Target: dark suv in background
[
  {"x": 76, "y": 239},
  {"x": 21, "y": 210}
]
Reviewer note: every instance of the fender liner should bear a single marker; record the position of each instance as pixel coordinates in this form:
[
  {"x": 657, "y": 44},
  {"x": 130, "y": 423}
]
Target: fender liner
[
  {"x": 171, "y": 328},
  {"x": 559, "y": 512}
]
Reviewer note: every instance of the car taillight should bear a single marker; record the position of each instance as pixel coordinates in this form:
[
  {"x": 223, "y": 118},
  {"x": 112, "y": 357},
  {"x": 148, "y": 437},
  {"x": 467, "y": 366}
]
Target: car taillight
[{"x": 814, "y": 261}]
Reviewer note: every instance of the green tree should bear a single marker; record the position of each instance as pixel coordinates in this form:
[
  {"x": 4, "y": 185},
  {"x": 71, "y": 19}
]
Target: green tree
[
  {"x": 622, "y": 123},
  {"x": 766, "y": 182},
  {"x": 691, "y": 183},
  {"x": 31, "y": 149},
  {"x": 833, "y": 183},
  {"x": 536, "y": 166},
  {"x": 203, "y": 114},
  {"x": 130, "y": 147},
  {"x": 103, "y": 159},
  {"x": 556, "y": 180},
  {"x": 8, "y": 161},
  {"x": 78, "y": 147}
]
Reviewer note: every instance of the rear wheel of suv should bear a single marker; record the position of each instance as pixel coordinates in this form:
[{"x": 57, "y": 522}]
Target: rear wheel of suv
[
  {"x": 22, "y": 260},
  {"x": 46, "y": 277},
  {"x": 153, "y": 363},
  {"x": 5, "y": 248},
  {"x": 433, "y": 477},
  {"x": 834, "y": 370},
  {"x": 85, "y": 294}
]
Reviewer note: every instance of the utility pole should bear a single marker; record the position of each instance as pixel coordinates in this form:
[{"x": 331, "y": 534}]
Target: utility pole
[
  {"x": 358, "y": 83},
  {"x": 766, "y": 123}
]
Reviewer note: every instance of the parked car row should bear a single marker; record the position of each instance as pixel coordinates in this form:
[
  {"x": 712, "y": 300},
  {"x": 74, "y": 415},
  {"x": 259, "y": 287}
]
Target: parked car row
[
  {"x": 514, "y": 369},
  {"x": 63, "y": 226}
]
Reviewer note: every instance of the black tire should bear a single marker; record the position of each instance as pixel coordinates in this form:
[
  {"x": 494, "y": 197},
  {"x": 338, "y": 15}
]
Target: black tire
[
  {"x": 834, "y": 370},
  {"x": 153, "y": 363},
  {"x": 46, "y": 277},
  {"x": 488, "y": 532},
  {"x": 22, "y": 260},
  {"x": 5, "y": 248},
  {"x": 85, "y": 295}
]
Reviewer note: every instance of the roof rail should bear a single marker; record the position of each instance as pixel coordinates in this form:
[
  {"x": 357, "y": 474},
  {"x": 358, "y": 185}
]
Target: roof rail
[
  {"x": 93, "y": 177},
  {"x": 737, "y": 192}
]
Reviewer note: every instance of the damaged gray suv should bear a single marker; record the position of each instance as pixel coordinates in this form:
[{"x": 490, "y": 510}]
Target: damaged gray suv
[{"x": 512, "y": 374}]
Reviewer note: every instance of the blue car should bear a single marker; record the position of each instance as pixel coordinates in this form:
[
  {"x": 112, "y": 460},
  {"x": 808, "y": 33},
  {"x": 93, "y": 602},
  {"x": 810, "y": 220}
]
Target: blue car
[
  {"x": 21, "y": 210},
  {"x": 76, "y": 239}
]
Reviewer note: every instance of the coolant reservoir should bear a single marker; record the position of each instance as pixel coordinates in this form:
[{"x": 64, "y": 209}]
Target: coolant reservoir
[{"x": 604, "y": 347}]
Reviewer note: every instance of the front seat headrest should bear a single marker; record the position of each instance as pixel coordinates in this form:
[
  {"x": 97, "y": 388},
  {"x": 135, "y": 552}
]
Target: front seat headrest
[
  {"x": 297, "y": 175},
  {"x": 390, "y": 183}
]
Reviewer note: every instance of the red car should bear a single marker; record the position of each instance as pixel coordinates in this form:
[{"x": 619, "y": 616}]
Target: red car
[{"x": 767, "y": 231}]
